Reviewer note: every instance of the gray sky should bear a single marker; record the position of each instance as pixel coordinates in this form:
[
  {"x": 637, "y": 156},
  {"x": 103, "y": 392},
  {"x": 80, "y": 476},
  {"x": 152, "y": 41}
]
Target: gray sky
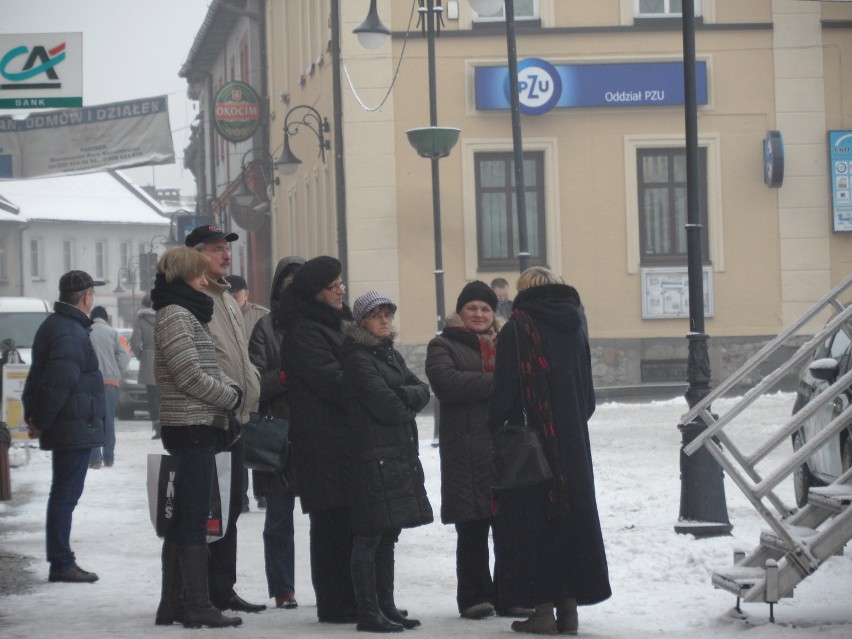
[{"x": 131, "y": 49}]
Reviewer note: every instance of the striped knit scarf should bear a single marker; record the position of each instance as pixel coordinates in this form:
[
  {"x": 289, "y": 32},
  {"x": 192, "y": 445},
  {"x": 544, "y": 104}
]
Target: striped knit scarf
[{"x": 536, "y": 388}]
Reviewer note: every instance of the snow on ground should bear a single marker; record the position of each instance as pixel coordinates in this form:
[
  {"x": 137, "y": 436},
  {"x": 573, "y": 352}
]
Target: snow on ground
[{"x": 660, "y": 580}]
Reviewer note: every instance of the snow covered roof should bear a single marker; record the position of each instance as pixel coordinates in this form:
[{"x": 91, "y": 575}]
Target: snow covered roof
[{"x": 91, "y": 197}]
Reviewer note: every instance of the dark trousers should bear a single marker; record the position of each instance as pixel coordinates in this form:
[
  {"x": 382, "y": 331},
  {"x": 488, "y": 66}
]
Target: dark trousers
[
  {"x": 331, "y": 552},
  {"x": 473, "y": 569},
  {"x": 194, "y": 476},
  {"x": 279, "y": 550},
  {"x": 223, "y": 552},
  {"x": 107, "y": 453},
  {"x": 69, "y": 477},
  {"x": 152, "y": 394}
]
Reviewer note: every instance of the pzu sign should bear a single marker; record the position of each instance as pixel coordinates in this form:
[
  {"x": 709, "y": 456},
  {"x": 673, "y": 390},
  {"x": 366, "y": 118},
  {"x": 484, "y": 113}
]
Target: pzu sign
[
  {"x": 41, "y": 70},
  {"x": 539, "y": 86}
]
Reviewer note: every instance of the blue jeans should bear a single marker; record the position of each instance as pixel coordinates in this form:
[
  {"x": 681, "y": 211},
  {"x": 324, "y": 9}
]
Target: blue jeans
[
  {"x": 278, "y": 542},
  {"x": 69, "y": 476},
  {"x": 107, "y": 454},
  {"x": 193, "y": 487}
]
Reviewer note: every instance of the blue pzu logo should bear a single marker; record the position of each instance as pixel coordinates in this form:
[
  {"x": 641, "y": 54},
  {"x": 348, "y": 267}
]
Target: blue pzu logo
[{"x": 539, "y": 86}]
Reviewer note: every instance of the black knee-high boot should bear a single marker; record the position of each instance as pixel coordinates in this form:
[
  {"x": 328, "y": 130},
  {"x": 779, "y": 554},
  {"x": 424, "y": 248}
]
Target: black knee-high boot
[
  {"x": 370, "y": 617},
  {"x": 384, "y": 586},
  {"x": 198, "y": 610},
  {"x": 171, "y": 605}
]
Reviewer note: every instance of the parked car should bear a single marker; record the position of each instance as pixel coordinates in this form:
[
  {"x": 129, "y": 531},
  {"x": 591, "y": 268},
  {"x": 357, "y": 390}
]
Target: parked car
[
  {"x": 132, "y": 395},
  {"x": 20, "y": 318},
  {"x": 831, "y": 360}
]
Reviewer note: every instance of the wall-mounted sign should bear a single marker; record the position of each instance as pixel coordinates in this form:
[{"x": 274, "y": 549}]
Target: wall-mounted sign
[
  {"x": 41, "y": 70},
  {"x": 773, "y": 159},
  {"x": 96, "y": 138},
  {"x": 840, "y": 170},
  {"x": 665, "y": 292},
  {"x": 543, "y": 86},
  {"x": 236, "y": 111}
]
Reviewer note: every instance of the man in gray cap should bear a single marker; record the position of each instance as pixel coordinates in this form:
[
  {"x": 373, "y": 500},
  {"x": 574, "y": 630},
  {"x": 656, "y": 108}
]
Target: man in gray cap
[
  {"x": 229, "y": 337},
  {"x": 64, "y": 408}
]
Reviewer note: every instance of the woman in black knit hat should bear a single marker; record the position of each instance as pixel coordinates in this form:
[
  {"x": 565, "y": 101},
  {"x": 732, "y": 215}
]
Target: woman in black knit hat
[
  {"x": 312, "y": 315},
  {"x": 460, "y": 364}
]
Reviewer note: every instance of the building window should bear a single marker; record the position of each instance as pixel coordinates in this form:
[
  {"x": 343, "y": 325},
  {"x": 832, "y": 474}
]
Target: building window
[
  {"x": 662, "y": 8},
  {"x": 67, "y": 255},
  {"x": 100, "y": 259},
  {"x": 35, "y": 259},
  {"x": 524, "y": 10},
  {"x": 661, "y": 180},
  {"x": 4, "y": 273},
  {"x": 496, "y": 215}
]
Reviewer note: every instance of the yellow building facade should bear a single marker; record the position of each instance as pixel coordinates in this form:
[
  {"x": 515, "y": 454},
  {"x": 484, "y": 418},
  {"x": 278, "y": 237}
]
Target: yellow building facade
[{"x": 604, "y": 162}]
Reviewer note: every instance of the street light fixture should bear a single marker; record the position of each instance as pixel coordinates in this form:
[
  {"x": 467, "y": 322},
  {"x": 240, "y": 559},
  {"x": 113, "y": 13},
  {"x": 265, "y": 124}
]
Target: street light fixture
[
  {"x": 287, "y": 163},
  {"x": 433, "y": 142},
  {"x": 488, "y": 8}
]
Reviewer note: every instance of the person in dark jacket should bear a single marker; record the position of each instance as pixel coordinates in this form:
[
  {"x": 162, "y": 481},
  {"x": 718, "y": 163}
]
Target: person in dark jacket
[
  {"x": 279, "y": 549},
  {"x": 382, "y": 472},
  {"x": 196, "y": 400},
  {"x": 142, "y": 345},
  {"x": 64, "y": 408},
  {"x": 553, "y": 527},
  {"x": 312, "y": 315}
]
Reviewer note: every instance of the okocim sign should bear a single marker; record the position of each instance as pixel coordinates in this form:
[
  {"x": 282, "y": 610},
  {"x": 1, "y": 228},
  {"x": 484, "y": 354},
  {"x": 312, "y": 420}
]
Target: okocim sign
[
  {"x": 41, "y": 70},
  {"x": 236, "y": 111}
]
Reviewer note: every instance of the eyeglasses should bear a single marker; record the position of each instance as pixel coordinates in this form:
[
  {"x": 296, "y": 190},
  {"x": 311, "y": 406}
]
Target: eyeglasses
[
  {"x": 380, "y": 315},
  {"x": 337, "y": 287}
]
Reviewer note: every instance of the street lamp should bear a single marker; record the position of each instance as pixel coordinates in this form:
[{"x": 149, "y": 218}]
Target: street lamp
[
  {"x": 287, "y": 163},
  {"x": 130, "y": 279},
  {"x": 487, "y": 8},
  {"x": 432, "y": 142},
  {"x": 703, "y": 511}
]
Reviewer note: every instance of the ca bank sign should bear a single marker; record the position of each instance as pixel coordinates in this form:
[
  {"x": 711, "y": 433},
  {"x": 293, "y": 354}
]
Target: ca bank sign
[
  {"x": 543, "y": 86},
  {"x": 41, "y": 70}
]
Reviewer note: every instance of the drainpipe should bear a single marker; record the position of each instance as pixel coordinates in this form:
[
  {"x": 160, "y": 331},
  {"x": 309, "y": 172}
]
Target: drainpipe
[{"x": 337, "y": 117}]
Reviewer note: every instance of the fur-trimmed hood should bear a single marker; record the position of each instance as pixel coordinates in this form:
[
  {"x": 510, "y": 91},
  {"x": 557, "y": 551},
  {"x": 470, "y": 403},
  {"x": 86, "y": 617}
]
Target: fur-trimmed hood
[{"x": 364, "y": 337}]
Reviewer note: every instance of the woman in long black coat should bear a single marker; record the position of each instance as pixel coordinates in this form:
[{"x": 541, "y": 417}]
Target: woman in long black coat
[
  {"x": 383, "y": 476},
  {"x": 553, "y": 526}
]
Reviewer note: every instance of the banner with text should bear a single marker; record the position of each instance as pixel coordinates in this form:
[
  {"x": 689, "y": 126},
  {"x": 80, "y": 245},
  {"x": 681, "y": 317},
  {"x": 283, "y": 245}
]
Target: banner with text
[{"x": 97, "y": 138}]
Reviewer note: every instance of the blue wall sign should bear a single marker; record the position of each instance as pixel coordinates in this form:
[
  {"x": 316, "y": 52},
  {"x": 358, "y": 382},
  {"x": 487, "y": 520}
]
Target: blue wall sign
[
  {"x": 544, "y": 86},
  {"x": 840, "y": 167}
]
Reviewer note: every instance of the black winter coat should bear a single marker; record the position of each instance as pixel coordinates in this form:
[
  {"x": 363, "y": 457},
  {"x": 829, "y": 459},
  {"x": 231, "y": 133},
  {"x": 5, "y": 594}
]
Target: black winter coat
[
  {"x": 385, "y": 486},
  {"x": 311, "y": 352},
  {"x": 454, "y": 369},
  {"x": 64, "y": 391},
  {"x": 567, "y": 555}
]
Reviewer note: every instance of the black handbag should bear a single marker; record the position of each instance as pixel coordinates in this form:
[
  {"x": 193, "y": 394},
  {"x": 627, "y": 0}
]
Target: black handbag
[
  {"x": 266, "y": 440},
  {"x": 518, "y": 453}
]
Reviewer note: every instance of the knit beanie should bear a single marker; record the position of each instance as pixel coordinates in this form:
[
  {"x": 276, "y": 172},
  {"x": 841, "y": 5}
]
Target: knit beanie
[
  {"x": 479, "y": 291},
  {"x": 315, "y": 274},
  {"x": 367, "y": 302}
]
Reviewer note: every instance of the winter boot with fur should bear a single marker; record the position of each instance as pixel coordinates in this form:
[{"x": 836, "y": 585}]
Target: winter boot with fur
[
  {"x": 370, "y": 616},
  {"x": 384, "y": 587},
  {"x": 198, "y": 610},
  {"x": 171, "y": 605},
  {"x": 541, "y": 623},
  {"x": 567, "y": 621}
]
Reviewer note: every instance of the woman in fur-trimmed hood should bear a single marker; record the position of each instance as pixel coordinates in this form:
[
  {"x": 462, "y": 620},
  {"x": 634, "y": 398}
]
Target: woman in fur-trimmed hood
[{"x": 383, "y": 476}]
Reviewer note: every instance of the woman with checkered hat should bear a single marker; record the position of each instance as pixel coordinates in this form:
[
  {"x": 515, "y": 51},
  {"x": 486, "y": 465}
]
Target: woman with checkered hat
[{"x": 383, "y": 476}]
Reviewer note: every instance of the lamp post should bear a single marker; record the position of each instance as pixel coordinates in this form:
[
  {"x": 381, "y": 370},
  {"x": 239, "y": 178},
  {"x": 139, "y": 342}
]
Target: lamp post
[
  {"x": 433, "y": 142},
  {"x": 490, "y": 7},
  {"x": 288, "y": 163},
  {"x": 703, "y": 511},
  {"x": 130, "y": 280},
  {"x": 242, "y": 206}
]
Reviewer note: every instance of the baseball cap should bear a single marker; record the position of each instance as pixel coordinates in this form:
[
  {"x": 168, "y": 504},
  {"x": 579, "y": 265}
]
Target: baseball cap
[
  {"x": 208, "y": 233},
  {"x": 75, "y": 281},
  {"x": 237, "y": 283}
]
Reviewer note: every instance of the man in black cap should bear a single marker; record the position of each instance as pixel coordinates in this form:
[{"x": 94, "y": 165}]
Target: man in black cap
[
  {"x": 231, "y": 343},
  {"x": 64, "y": 408},
  {"x": 251, "y": 312}
]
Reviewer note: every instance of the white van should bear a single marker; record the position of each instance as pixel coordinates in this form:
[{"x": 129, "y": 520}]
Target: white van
[{"x": 20, "y": 318}]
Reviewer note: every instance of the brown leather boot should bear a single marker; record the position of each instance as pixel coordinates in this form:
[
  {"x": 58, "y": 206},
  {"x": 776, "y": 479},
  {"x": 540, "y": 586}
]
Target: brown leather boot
[
  {"x": 541, "y": 623},
  {"x": 566, "y": 617}
]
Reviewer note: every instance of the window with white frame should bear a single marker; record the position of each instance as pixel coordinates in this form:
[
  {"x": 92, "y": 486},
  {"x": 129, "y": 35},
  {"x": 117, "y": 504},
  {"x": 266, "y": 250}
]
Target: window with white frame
[
  {"x": 35, "y": 259},
  {"x": 496, "y": 209},
  {"x": 524, "y": 10},
  {"x": 4, "y": 273},
  {"x": 662, "y": 8},
  {"x": 124, "y": 252},
  {"x": 100, "y": 259},
  {"x": 67, "y": 255}
]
